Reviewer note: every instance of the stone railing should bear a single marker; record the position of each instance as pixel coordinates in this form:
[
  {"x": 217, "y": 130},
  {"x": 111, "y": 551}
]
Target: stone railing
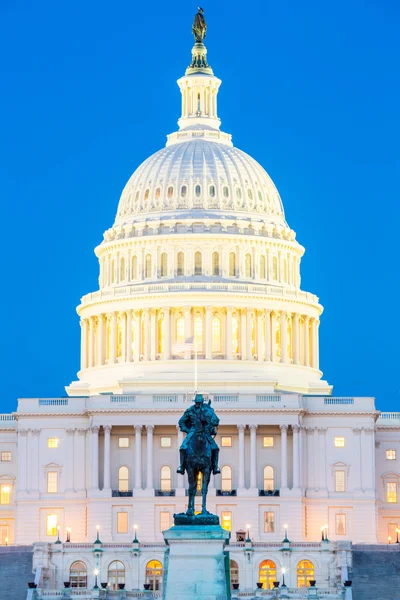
[
  {"x": 389, "y": 418},
  {"x": 87, "y": 594}
]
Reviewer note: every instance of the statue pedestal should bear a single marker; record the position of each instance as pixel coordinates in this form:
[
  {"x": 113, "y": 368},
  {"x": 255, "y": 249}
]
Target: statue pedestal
[{"x": 198, "y": 567}]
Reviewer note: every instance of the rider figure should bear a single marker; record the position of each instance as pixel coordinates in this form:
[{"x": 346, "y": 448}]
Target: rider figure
[{"x": 187, "y": 424}]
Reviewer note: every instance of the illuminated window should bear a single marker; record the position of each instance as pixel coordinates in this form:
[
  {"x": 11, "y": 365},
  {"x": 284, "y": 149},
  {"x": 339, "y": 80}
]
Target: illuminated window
[
  {"x": 180, "y": 264},
  {"x": 269, "y": 522},
  {"x": 226, "y": 441},
  {"x": 160, "y": 336},
  {"x": 166, "y": 483},
  {"x": 235, "y": 335},
  {"x": 198, "y": 263},
  {"x": 268, "y": 441},
  {"x": 134, "y": 267},
  {"x": 197, "y": 191},
  {"x": 215, "y": 263},
  {"x": 226, "y": 520},
  {"x": 4, "y": 534},
  {"x": 216, "y": 334},
  {"x": 275, "y": 268},
  {"x": 180, "y": 330},
  {"x": 232, "y": 264},
  {"x": 391, "y": 491},
  {"x": 165, "y": 442},
  {"x": 158, "y": 193},
  {"x": 170, "y": 191},
  {"x": 123, "y": 479},
  {"x": 148, "y": 266},
  {"x": 247, "y": 263},
  {"x": 78, "y": 575},
  {"x": 164, "y": 264},
  {"x": 165, "y": 520},
  {"x": 154, "y": 575},
  {"x": 339, "y": 442},
  {"x": 116, "y": 574},
  {"x": 122, "y": 522},
  {"x": 51, "y": 525},
  {"x": 226, "y": 478},
  {"x": 211, "y": 191},
  {"x": 392, "y": 533},
  {"x": 267, "y": 574},
  {"x": 340, "y": 524},
  {"x": 305, "y": 573},
  {"x": 123, "y": 442},
  {"x": 340, "y": 481},
  {"x": 262, "y": 267},
  {"x": 52, "y": 482},
  {"x": 184, "y": 191},
  {"x": 52, "y": 443},
  {"x": 146, "y": 194},
  {"x": 6, "y": 456},
  {"x": 390, "y": 455},
  {"x": 198, "y": 334},
  {"x": 5, "y": 493},
  {"x": 234, "y": 572},
  {"x": 268, "y": 478}
]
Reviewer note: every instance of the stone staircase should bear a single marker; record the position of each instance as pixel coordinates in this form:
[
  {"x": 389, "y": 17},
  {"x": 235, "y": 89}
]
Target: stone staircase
[
  {"x": 15, "y": 571},
  {"x": 376, "y": 572}
]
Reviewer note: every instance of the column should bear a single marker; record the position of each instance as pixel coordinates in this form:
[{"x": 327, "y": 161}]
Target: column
[
  {"x": 322, "y": 457},
  {"x": 317, "y": 461},
  {"x": 314, "y": 343},
  {"x": 180, "y": 478},
  {"x": 153, "y": 321},
  {"x": 138, "y": 335},
  {"x": 317, "y": 345},
  {"x": 306, "y": 341},
  {"x": 113, "y": 337},
  {"x": 22, "y": 456},
  {"x": 100, "y": 340},
  {"x": 167, "y": 333},
  {"x": 138, "y": 457},
  {"x": 146, "y": 328},
  {"x": 35, "y": 460},
  {"x": 284, "y": 337},
  {"x": 208, "y": 335},
  {"x": 122, "y": 317},
  {"x": 296, "y": 457},
  {"x": 260, "y": 349},
  {"x": 267, "y": 335},
  {"x": 253, "y": 456},
  {"x": 95, "y": 457},
  {"x": 273, "y": 336},
  {"x": 188, "y": 329},
  {"x": 69, "y": 483},
  {"x": 241, "y": 456},
  {"x": 149, "y": 479},
  {"x": 28, "y": 461},
  {"x": 310, "y": 458},
  {"x": 283, "y": 456},
  {"x": 128, "y": 337},
  {"x": 243, "y": 334},
  {"x": 84, "y": 335},
  {"x": 91, "y": 343},
  {"x": 249, "y": 341},
  {"x": 296, "y": 338},
  {"x": 80, "y": 461},
  {"x": 107, "y": 457},
  {"x": 228, "y": 351}
]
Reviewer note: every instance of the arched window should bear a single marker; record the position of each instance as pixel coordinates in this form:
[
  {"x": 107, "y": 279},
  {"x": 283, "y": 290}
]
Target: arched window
[
  {"x": 211, "y": 190},
  {"x": 215, "y": 263},
  {"x": 238, "y": 193},
  {"x": 267, "y": 574},
  {"x": 225, "y": 191},
  {"x": 250, "y": 194},
  {"x": 170, "y": 192},
  {"x": 305, "y": 573},
  {"x": 216, "y": 335},
  {"x": 123, "y": 479},
  {"x": 235, "y": 335},
  {"x": 198, "y": 334},
  {"x": 112, "y": 272},
  {"x": 154, "y": 575},
  {"x": 148, "y": 266},
  {"x": 183, "y": 191},
  {"x": 198, "y": 263},
  {"x": 226, "y": 478},
  {"x": 78, "y": 575},
  {"x": 116, "y": 574},
  {"x": 134, "y": 267},
  {"x": 166, "y": 479},
  {"x": 180, "y": 264},
  {"x": 275, "y": 269},
  {"x": 269, "y": 484},
  {"x": 146, "y": 194},
  {"x": 247, "y": 262},
  {"x": 122, "y": 269},
  {"x": 158, "y": 193},
  {"x": 234, "y": 569},
  {"x": 180, "y": 330},
  {"x": 262, "y": 267},
  {"x": 232, "y": 264},
  {"x": 164, "y": 264},
  {"x": 197, "y": 191},
  {"x": 160, "y": 336}
]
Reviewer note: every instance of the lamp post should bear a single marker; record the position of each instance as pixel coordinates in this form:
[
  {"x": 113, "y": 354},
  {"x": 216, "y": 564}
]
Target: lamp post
[
  {"x": 68, "y": 534},
  {"x": 96, "y": 572},
  {"x": 283, "y": 571},
  {"x": 248, "y": 533},
  {"x": 324, "y": 533},
  {"x": 58, "y": 535},
  {"x": 135, "y": 541},
  {"x": 97, "y": 535},
  {"x": 6, "y": 541},
  {"x": 286, "y": 533}
]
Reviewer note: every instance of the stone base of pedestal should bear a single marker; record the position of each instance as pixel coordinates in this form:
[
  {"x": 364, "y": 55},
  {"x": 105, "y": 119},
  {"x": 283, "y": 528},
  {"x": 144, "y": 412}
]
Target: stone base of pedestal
[{"x": 198, "y": 567}]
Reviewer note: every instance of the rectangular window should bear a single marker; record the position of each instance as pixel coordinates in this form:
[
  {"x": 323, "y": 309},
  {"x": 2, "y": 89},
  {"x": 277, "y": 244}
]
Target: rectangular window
[
  {"x": 5, "y": 492},
  {"x": 339, "y": 442},
  {"x": 52, "y": 482},
  {"x": 166, "y": 442},
  {"x": 6, "y": 456},
  {"x": 123, "y": 442},
  {"x": 340, "y": 524},
  {"x": 226, "y": 441},
  {"x": 391, "y": 491},
  {"x": 340, "y": 481},
  {"x": 122, "y": 522},
  {"x": 269, "y": 522},
  {"x": 165, "y": 520},
  {"x": 226, "y": 520},
  {"x": 390, "y": 455},
  {"x": 52, "y": 442},
  {"x": 268, "y": 441},
  {"x": 51, "y": 525}
]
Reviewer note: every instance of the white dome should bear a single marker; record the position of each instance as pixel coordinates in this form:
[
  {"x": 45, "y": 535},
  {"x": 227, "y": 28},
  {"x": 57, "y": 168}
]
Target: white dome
[{"x": 204, "y": 175}]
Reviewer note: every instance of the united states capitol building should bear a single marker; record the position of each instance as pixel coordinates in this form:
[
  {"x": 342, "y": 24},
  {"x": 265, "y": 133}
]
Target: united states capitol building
[{"x": 199, "y": 273}]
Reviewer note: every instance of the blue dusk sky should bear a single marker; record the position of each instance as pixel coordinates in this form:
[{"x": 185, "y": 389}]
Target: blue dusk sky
[{"x": 310, "y": 89}]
